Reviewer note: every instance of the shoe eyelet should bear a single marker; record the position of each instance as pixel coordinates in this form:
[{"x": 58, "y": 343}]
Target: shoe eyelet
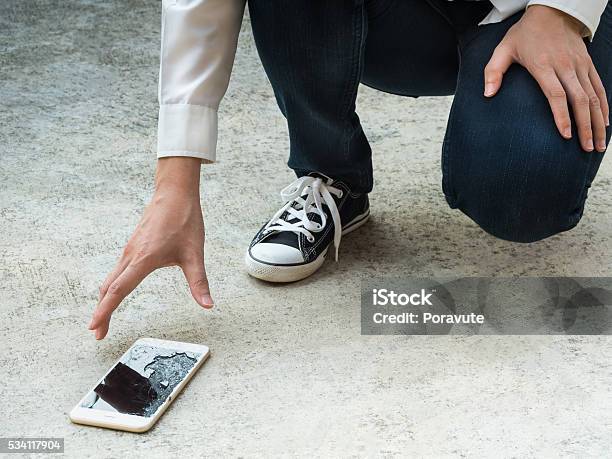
[
  {"x": 310, "y": 239},
  {"x": 341, "y": 194}
]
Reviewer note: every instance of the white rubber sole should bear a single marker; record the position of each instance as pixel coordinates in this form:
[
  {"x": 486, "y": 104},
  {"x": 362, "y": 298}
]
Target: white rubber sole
[{"x": 275, "y": 273}]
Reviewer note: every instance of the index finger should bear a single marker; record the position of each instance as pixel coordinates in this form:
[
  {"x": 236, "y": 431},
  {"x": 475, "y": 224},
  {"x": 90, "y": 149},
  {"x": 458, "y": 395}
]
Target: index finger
[{"x": 121, "y": 287}]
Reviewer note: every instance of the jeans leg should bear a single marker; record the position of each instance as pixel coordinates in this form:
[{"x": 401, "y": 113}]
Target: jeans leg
[
  {"x": 312, "y": 52},
  {"x": 504, "y": 163}
]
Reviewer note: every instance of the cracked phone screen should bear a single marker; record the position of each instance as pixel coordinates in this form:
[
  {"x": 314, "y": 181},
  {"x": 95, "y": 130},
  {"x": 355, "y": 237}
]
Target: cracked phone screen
[{"x": 142, "y": 381}]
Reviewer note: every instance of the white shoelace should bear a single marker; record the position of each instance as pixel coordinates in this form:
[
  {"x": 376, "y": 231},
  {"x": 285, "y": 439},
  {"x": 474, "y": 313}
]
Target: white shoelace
[{"x": 310, "y": 193}]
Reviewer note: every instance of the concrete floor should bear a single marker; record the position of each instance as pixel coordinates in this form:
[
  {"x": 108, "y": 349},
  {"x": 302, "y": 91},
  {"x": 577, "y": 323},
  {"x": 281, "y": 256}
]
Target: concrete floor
[{"x": 290, "y": 374}]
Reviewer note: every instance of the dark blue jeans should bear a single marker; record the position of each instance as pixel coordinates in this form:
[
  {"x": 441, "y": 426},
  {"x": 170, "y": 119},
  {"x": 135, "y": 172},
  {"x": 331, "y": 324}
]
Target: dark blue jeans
[{"x": 504, "y": 163}]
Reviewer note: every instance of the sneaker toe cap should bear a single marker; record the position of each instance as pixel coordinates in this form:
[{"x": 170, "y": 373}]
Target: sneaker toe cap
[{"x": 278, "y": 254}]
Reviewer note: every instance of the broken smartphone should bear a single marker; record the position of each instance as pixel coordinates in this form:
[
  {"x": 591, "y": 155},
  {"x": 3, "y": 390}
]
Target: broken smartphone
[{"x": 136, "y": 391}]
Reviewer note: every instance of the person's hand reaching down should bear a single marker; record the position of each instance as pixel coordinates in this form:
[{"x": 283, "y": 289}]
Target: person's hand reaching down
[{"x": 170, "y": 233}]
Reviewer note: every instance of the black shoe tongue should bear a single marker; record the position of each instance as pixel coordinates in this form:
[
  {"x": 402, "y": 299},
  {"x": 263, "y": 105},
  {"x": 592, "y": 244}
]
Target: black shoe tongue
[
  {"x": 325, "y": 178},
  {"x": 283, "y": 237}
]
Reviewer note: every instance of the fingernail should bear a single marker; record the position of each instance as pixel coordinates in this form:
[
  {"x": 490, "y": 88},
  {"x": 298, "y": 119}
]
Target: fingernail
[
  {"x": 601, "y": 146},
  {"x": 489, "y": 90},
  {"x": 589, "y": 145},
  {"x": 90, "y": 326},
  {"x": 567, "y": 133},
  {"x": 207, "y": 301}
]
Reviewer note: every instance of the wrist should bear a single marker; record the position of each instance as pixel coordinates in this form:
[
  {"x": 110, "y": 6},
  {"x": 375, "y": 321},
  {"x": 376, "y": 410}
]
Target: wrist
[
  {"x": 178, "y": 174},
  {"x": 547, "y": 13}
]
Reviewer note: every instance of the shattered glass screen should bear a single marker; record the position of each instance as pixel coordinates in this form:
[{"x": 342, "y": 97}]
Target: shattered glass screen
[{"x": 141, "y": 381}]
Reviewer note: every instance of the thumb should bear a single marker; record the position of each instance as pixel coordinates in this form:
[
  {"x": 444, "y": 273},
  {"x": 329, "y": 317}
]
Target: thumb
[
  {"x": 494, "y": 71},
  {"x": 198, "y": 283}
]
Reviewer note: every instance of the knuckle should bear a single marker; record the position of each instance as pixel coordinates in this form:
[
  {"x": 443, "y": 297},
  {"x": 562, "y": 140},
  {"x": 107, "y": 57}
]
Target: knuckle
[
  {"x": 143, "y": 256},
  {"x": 542, "y": 62},
  {"x": 141, "y": 250},
  {"x": 201, "y": 285},
  {"x": 115, "y": 289},
  {"x": 105, "y": 285},
  {"x": 594, "y": 101},
  {"x": 202, "y": 282},
  {"x": 568, "y": 74},
  {"x": 565, "y": 66},
  {"x": 581, "y": 99},
  {"x": 557, "y": 93},
  {"x": 127, "y": 250}
]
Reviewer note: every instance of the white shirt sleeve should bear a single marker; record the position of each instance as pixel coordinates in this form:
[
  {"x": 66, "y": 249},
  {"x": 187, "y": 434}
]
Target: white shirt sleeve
[
  {"x": 586, "y": 11},
  {"x": 198, "y": 45}
]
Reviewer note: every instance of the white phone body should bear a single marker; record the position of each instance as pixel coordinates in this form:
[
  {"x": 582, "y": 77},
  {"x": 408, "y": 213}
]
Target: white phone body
[{"x": 130, "y": 422}]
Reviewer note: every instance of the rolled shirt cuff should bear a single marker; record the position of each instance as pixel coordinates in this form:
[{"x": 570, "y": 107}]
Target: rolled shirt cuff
[{"x": 187, "y": 130}]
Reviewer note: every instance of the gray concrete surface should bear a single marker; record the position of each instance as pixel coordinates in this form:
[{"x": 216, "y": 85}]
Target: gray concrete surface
[{"x": 290, "y": 374}]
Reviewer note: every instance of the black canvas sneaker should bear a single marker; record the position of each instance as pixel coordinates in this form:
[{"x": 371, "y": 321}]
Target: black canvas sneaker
[{"x": 294, "y": 242}]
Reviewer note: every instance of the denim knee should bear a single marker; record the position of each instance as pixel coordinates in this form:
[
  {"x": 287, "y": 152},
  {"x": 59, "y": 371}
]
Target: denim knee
[
  {"x": 520, "y": 197},
  {"x": 517, "y": 220}
]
